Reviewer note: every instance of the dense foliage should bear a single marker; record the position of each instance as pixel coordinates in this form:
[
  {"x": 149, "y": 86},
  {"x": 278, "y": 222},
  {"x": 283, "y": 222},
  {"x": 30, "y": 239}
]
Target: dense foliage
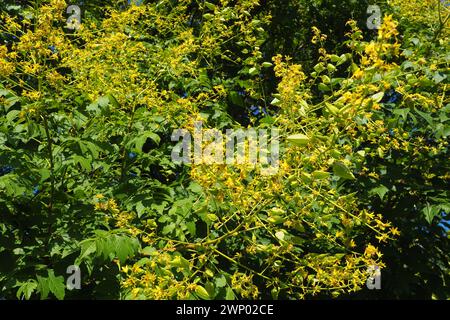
[{"x": 86, "y": 170}]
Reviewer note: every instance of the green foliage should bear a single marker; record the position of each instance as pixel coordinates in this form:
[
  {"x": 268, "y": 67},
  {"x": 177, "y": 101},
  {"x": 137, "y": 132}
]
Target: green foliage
[{"x": 87, "y": 179}]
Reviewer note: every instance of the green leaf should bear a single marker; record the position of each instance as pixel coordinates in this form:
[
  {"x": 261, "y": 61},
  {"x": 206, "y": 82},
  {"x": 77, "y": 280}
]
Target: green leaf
[
  {"x": 195, "y": 187},
  {"x": 138, "y": 142},
  {"x": 103, "y": 101},
  {"x": 377, "y": 97},
  {"x": 43, "y": 287},
  {"x": 12, "y": 115},
  {"x": 140, "y": 209},
  {"x": 221, "y": 281},
  {"x": 319, "y": 67},
  {"x": 44, "y": 173},
  {"x": 202, "y": 293},
  {"x": 236, "y": 98},
  {"x": 402, "y": 112},
  {"x": 93, "y": 107},
  {"x": 343, "y": 59},
  {"x": 168, "y": 228},
  {"x": 113, "y": 100},
  {"x": 191, "y": 227},
  {"x": 84, "y": 162},
  {"x": 280, "y": 235},
  {"x": 253, "y": 71},
  {"x": 10, "y": 99},
  {"x": 331, "y": 108},
  {"x": 323, "y": 87},
  {"x": 180, "y": 262},
  {"x": 208, "y": 16},
  {"x": 380, "y": 191},
  {"x": 27, "y": 289},
  {"x": 87, "y": 248},
  {"x": 229, "y": 294},
  {"x": 276, "y": 220},
  {"x": 56, "y": 285},
  {"x": 331, "y": 67},
  {"x": 426, "y": 116},
  {"x": 298, "y": 139},
  {"x": 334, "y": 58},
  {"x": 438, "y": 78},
  {"x": 210, "y": 6},
  {"x": 121, "y": 249},
  {"x": 11, "y": 186},
  {"x": 211, "y": 217},
  {"x": 147, "y": 251},
  {"x": 320, "y": 175},
  {"x": 209, "y": 286},
  {"x": 275, "y": 102},
  {"x": 342, "y": 171},
  {"x": 430, "y": 212}
]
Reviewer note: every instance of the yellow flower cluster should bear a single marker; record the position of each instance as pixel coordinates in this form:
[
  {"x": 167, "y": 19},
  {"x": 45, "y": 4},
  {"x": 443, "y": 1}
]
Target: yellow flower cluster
[
  {"x": 425, "y": 12},
  {"x": 318, "y": 36},
  {"x": 377, "y": 54},
  {"x": 36, "y": 52},
  {"x": 301, "y": 184},
  {"x": 153, "y": 278},
  {"x": 335, "y": 274},
  {"x": 243, "y": 285},
  {"x": 122, "y": 219},
  {"x": 388, "y": 29},
  {"x": 293, "y": 98},
  {"x": 6, "y": 66}
]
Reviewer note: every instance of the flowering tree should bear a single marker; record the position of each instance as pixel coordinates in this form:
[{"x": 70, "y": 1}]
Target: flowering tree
[{"x": 87, "y": 179}]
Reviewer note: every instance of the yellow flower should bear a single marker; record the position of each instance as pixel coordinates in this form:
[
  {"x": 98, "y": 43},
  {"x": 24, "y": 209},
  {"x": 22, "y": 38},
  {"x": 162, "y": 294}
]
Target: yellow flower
[
  {"x": 358, "y": 74},
  {"x": 31, "y": 68},
  {"x": 33, "y": 95},
  {"x": 99, "y": 206},
  {"x": 382, "y": 238},
  {"x": 54, "y": 77},
  {"x": 112, "y": 204},
  {"x": 135, "y": 292},
  {"x": 394, "y": 231},
  {"x": 370, "y": 251},
  {"x": 136, "y": 269},
  {"x": 317, "y": 35},
  {"x": 339, "y": 234},
  {"x": 388, "y": 28}
]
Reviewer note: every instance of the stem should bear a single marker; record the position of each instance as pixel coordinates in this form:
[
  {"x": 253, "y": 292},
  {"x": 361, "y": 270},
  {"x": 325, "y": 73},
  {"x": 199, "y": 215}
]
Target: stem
[
  {"x": 52, "y": 165},
  {"x": 241, "y": 265},
  {"x": 52, "y": 178},
  {"x": 124, "y": 156},
  {"x": 129, "y": 128},
  {"x": 441, "y": 23},
  {"x": 50, "y": 155}
]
